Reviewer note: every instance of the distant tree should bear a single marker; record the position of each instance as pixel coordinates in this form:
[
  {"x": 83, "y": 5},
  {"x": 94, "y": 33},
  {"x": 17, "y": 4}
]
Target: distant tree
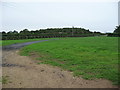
[
  {"x": 3, "y": 32},
  {"x": 117, "y": 30},
  {"x": 10, "y": 32},
  {"x": 48, "y": 33},
  {"x": 24, "y": 31},
  {"x": 15, "y": 32}
]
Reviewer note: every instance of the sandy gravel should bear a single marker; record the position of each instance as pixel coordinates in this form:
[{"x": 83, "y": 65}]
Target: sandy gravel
[{"x": 28, "y": 74}]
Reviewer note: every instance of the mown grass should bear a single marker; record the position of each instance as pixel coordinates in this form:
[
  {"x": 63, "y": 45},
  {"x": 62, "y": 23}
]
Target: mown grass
[
  {"x": 9, "y": 42},
  {"x": 89, "y": 57}
]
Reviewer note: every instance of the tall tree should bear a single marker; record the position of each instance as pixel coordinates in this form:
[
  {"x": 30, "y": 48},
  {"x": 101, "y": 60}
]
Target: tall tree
[{"x": 117, "y": 30}]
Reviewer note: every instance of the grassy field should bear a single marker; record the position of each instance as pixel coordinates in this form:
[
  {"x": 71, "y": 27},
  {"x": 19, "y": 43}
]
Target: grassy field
[
  {"x": 89, "y": 57},
  {"x": 9, "y": 42}
]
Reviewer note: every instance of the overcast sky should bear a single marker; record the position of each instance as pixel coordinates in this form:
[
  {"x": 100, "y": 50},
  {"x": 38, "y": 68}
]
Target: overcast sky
[{"x": 96, "y": 16}]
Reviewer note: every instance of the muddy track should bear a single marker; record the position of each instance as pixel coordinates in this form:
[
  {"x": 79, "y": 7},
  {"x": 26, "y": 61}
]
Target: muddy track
[{"x": 24, "y": 72}]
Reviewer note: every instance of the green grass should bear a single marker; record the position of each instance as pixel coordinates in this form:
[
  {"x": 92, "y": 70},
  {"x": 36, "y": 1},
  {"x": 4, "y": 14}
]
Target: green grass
[
  {"x": 9, "y": 42},
  {"x": 89, "y": 57},
  {"x": 4, "y": 79}
]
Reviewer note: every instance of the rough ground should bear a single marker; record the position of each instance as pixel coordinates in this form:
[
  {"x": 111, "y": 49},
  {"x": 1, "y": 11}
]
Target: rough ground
[{"x": 26, "y": 73}]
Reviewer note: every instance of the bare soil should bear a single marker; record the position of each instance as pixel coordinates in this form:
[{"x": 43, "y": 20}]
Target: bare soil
[{"x": 26, "y": 73}]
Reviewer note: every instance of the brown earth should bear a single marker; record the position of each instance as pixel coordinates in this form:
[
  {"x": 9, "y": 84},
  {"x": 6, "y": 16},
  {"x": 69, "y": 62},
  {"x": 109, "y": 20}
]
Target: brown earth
[{"x": 28, "y": 74}]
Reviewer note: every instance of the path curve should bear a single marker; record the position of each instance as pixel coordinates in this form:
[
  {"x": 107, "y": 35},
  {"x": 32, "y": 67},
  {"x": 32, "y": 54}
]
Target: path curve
[{"x": 20, "y": 45}]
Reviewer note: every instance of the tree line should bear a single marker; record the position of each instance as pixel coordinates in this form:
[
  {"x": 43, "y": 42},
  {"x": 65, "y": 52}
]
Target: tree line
[
  {"x": 116, "y": 32},
  {"x": 48, "y": 33}
]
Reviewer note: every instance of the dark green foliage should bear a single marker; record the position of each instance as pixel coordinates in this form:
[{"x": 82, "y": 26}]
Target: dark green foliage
[
  {"x": 116, "y": 32},
  {"x": 48, "y": 33}
]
